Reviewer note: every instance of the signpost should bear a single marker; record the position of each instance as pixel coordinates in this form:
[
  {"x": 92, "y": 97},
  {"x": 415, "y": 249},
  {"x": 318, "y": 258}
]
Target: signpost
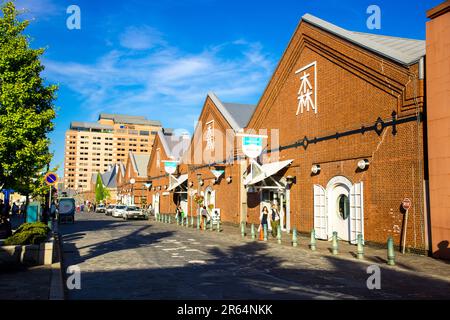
[
  {"x": 406, "y": 205},
  {"x": 252, "y": 147},
  {"x": 51, "y": 179}
]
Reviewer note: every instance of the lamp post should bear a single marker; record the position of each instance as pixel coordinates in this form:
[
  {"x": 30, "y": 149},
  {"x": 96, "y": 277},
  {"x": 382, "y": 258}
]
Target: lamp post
[
  {"x": 132, "y": 182},
  {"x": 199, "y": 179}
]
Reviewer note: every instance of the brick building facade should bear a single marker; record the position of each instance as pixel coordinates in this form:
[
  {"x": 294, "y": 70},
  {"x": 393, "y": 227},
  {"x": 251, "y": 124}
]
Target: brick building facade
[
  {"x": 342, "y": 118},
  {"x": 340, "y": 99}
]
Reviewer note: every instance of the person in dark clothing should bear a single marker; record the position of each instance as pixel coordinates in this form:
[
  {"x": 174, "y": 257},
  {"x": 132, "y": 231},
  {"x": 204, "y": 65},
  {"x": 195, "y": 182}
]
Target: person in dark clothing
[
  {"x": 2, "y": 207},
  {"x": 45, "y": 214},
  {"x": 6, "y": 209},
  {"x": 15, "y": 209},
  {"x": 22, "y": 209},
  {"x": 5, "y": 228}
]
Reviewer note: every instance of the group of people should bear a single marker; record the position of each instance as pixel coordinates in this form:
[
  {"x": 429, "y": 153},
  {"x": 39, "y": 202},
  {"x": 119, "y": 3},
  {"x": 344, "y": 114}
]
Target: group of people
[
  {"x": 5, "y": 212},
  {"x": 273, "y": 216},
  {"x": 15, "y": 209}
]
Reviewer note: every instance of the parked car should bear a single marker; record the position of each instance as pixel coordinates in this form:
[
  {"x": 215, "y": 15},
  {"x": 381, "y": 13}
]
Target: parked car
[
  {"x": 118, "y": 211},
  {"x": 101, "y": 208},
  {"x": 133, "y": 212},
  {"x": 109, "y": 209}
]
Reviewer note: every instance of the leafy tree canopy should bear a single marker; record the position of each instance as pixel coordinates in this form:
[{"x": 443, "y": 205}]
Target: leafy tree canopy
[{"x": 26, "y": 106}]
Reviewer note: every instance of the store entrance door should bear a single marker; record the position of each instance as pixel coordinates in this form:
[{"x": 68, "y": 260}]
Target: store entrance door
[{"x": 277, "y": 197}]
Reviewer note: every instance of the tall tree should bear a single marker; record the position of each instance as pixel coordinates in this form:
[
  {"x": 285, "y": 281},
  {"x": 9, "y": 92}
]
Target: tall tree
[
  {"x": 99, "y": 189},
  {"x": 26, "y": 107}
]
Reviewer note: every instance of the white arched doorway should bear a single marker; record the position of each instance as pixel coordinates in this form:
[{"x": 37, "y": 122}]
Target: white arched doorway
[
  {"x": 339, "y": 207},
  {"x": 338, "y": 191}
]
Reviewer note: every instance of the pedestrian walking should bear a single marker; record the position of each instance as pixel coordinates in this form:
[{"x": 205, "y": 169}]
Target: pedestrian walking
[
  {"x": 205, "y": 216},
  {"x": 53, "y": 209},
  {"x": 263, "y": 218},
  {"x": 275, "y": 220},
  {"x": 15, "y": 209},
  {"x": 22, "y": 209}
]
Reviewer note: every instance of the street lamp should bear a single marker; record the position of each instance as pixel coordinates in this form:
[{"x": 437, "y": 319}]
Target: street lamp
[{"x": 132, "y": 182}]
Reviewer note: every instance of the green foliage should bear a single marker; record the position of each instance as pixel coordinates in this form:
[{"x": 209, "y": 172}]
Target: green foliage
[
  {"x": 99, "y": 189},
  {"x": 29, "y": 233},
  {"x": 26, "y": 107}
]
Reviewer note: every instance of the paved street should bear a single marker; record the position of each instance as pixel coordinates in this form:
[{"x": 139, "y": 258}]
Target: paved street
[{"x": 151, "y": 260}]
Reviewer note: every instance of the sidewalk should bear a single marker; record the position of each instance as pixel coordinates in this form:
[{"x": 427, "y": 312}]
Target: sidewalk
[
  {"x": 19, "y": 282},
  {"x": 407, "y": 262},
  {"x": 22, "y": 283}
]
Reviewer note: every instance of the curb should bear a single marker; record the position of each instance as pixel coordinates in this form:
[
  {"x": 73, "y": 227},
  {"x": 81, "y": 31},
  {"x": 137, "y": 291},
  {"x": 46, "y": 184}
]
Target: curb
[{"x": 57, "y": 279}]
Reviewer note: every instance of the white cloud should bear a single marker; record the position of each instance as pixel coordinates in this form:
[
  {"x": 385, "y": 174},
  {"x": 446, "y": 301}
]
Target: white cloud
[
  {"x": 140, "y": 38},
  {"x": 165, "y": 83},
  {"x": 40, "y": 9}
]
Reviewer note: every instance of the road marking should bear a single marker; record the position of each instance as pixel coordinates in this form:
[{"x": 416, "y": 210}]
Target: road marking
[
  {"x": 170, "y": 249},
  {"x": 194, "y": 250},
  {"x": 197, "y": 261}
]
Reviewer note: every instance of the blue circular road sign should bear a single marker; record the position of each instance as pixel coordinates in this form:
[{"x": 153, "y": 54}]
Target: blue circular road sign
[{"x": 51, "y": 178}]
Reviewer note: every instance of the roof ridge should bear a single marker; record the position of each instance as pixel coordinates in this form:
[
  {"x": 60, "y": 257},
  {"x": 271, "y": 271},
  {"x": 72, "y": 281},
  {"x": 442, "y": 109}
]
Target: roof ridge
[
  {"x": 387, "y": 36},
  {"x": 359, "y": 40}
]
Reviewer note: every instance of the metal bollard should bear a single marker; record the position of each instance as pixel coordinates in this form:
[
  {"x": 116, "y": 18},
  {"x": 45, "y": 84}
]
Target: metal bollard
[
  {"x": 334, "y": 243},
  {"x": 192, "y": 221},
  {"x": 211, "y": 226},
  {"x": 204, "y": 224},
  {"x": 187, "y": 222},
  {"x": 360, "y": 249},
  {"x": 312, "y": 244},
  {"x": 243, "y": 229},
  {"x": 279, "y": 234},
  {"x": 218, "y": 226},
  {"x": 390, "y": 252},
  {"x": 198, "y": 222},
  {"x": 294, "y": 238},
  {"x": 265, "y": 232},
  {"x": 170, "y": 219},
  {"x": 253, "y": 232}
]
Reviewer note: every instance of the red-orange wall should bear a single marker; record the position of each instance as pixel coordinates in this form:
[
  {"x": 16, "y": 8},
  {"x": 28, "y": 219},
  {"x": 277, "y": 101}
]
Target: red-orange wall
[{"x": 438, "y": 122}]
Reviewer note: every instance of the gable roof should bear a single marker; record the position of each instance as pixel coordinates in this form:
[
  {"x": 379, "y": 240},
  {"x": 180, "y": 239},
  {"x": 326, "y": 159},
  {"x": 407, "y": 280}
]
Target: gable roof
[
  {"x": 402, "y": 50},
  {"x": 140, "y": 163},
  {"x": 236, "y": 114},
  {"x": 174, "y": 145},
  {"x": 109, "y": 177}
]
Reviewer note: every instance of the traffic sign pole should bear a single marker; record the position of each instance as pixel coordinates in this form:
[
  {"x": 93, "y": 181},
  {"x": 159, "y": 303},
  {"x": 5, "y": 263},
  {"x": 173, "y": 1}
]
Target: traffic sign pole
[
  {"x": 406, "y": 204},
  {"x": 404, "y": 233}
]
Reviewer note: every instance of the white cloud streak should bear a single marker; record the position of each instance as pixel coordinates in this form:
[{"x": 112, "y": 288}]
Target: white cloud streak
[{"x": 147, "y": 76}]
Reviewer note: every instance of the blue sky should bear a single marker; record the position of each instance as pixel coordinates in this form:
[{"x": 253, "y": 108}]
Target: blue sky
[{"x": 159, "y": 58}]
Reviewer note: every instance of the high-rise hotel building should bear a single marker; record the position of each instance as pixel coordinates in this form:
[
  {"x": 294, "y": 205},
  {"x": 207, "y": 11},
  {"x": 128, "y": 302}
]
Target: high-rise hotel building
[{"x": 94, "y": 146}]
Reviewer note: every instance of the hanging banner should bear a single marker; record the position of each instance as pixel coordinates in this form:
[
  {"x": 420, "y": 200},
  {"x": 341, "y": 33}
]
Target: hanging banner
[
  {"x": 252, "y": 145},
  {"x": 170, "y": 166}
]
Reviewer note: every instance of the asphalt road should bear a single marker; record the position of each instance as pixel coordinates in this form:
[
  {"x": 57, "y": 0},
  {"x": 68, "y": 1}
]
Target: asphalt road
[{"x": 151, "y": 260}]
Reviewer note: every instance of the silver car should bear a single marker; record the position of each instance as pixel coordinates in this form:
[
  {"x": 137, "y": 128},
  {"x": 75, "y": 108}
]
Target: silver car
[
  {"x": 133, "y": 212},
  {"x": 110, "y": 209},
  {"x": 118, "y": 211}
]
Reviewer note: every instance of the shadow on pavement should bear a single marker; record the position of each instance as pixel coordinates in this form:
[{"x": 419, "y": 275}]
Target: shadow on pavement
[{"x": 247, "y": 271}]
